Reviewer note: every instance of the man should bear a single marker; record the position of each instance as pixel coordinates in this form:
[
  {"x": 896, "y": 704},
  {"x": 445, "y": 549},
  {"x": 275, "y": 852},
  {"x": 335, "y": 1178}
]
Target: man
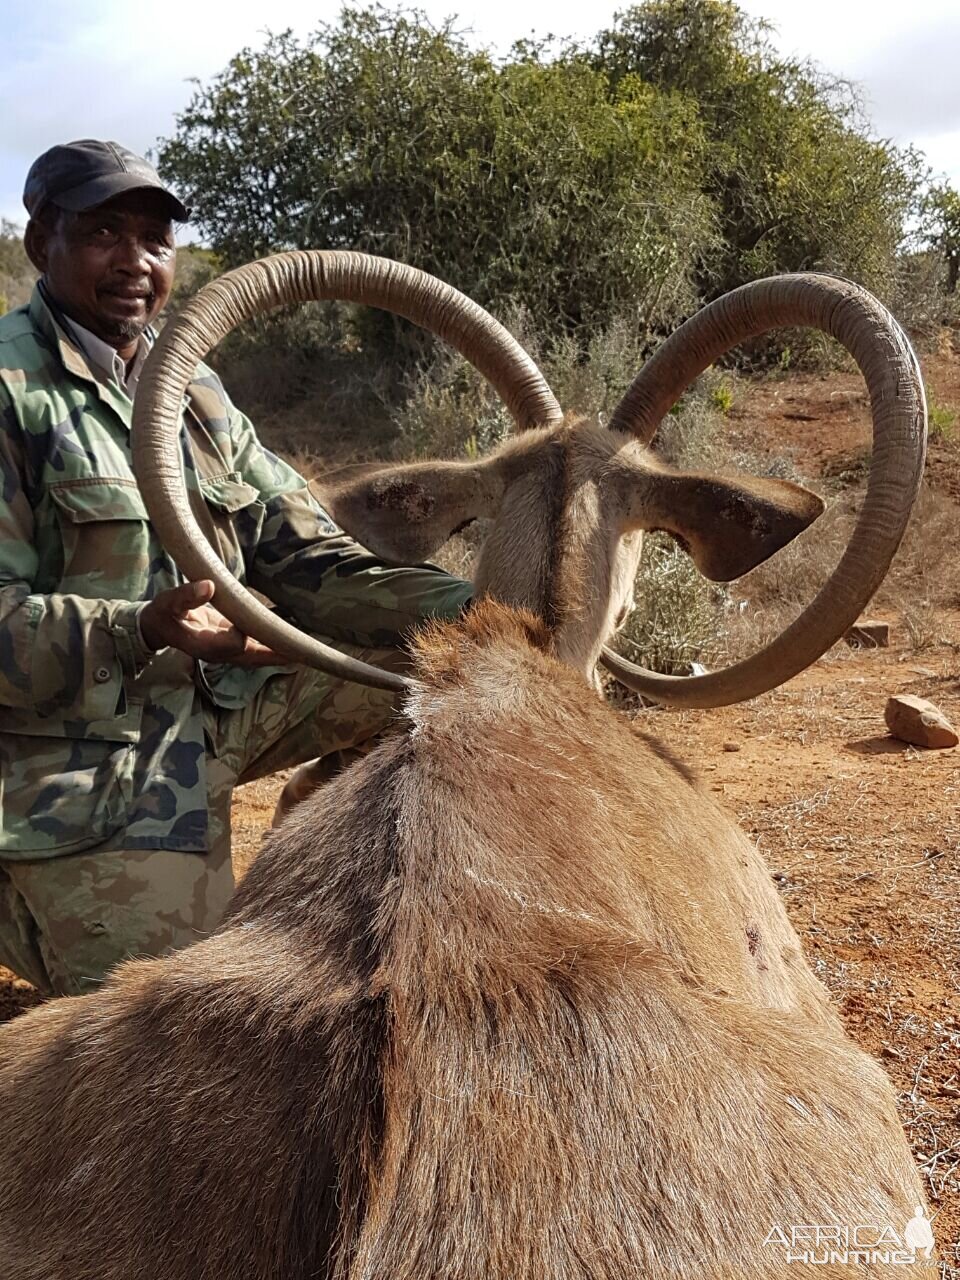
[{"x": 129, "y": 707}]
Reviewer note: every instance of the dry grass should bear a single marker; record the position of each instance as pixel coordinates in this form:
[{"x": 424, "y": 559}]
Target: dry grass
[
  {"x": 923, "y": 580},
  {"x": 678, "y": 618}
]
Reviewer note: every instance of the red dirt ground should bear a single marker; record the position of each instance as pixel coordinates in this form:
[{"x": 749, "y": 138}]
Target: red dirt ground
[{"x": 861, "y": 832}]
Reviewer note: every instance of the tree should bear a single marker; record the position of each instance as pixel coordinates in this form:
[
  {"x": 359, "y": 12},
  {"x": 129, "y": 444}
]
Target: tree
[
  {"x": 797, "y": 181},
  {"x": 942, "y": 219}
]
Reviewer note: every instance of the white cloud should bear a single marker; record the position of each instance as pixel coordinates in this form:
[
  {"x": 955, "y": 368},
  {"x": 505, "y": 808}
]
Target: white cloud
[
  {"x": 943, "y": 154},
  {"x": 903, "y": 56},
  {"x": 914, "y": 86}
]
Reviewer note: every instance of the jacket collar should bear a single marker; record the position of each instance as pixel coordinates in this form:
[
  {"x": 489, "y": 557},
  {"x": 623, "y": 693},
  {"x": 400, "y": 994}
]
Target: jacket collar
[
  {"x": 47, "y": 318},
  {"x": 55, "y": 327}
]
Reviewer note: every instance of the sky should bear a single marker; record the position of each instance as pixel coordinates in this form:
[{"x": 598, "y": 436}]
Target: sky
[{"x": 106, "y": 69}]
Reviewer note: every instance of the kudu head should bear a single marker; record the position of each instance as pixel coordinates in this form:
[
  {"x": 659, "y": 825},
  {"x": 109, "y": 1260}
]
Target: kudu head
[
  {"x": 568, "y": 501},
  {"x": 567, "y": 507}
]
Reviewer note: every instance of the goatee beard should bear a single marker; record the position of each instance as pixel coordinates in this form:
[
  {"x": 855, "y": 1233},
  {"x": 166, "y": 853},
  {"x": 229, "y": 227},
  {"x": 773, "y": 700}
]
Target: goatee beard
[{"x": 128, "y": 330}]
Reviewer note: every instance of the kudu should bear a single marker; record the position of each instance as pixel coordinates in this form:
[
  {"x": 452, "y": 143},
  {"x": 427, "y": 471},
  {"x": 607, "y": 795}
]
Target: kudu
[{"x": 511, "y": 998}]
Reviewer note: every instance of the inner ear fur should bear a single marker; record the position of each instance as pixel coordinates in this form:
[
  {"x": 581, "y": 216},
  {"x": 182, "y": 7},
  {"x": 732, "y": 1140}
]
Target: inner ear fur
[
  {"x": 728, "y": 524},
  {"x": 404, "y": 514}
]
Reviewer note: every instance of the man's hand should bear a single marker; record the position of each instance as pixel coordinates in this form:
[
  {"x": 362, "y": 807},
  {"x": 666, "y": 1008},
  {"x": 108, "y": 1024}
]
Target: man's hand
[{"x": 182, "y": 618}]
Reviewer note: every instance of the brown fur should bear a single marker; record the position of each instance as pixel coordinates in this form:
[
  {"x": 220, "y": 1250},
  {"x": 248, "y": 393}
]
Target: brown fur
[
  {"x": 304, "y": 782},
  {"x": 509, "y": 999},
  {"x": 426, "y": 1045}
]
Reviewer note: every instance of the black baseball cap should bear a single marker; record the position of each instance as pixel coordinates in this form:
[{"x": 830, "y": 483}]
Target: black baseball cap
[{"x": 80, "y": 175}]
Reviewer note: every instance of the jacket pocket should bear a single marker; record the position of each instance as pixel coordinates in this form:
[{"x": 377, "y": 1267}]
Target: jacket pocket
[
  {"x": 107, "y": 541},
  {"x": 65, "y": 785},
  {"x": 232, "y": 518}
]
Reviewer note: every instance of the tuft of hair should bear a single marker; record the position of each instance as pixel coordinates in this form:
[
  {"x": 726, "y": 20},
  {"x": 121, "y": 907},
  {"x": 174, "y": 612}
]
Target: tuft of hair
[{"x": 440, "y": 649}]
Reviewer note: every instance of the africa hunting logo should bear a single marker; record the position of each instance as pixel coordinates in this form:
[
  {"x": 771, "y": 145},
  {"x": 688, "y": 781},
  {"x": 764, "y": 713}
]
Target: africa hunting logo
[{"x": 863, "y": 1244}]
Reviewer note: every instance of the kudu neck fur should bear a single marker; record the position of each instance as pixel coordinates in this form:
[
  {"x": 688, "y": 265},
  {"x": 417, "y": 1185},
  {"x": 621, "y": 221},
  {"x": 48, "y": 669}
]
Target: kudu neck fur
[{"x": 558, "y": 547}]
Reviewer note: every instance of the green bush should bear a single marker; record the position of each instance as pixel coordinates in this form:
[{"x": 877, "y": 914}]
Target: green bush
[
  {"x": 449, "y": 410},
  {"x": 626, "y": 179},
  {"x": 721, "y": 397},
  {"x": 941, "y": 229},
  {"x": 196, "y": 266}
]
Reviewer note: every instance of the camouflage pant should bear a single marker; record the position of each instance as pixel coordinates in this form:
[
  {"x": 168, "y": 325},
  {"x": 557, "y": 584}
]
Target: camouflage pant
[{"x": 65, "y": 921}]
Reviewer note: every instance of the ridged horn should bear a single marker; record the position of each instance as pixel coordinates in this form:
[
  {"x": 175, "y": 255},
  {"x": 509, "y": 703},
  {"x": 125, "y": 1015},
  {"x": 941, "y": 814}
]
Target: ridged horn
[
  {"x": 883, "y": 353},
  {"x": 258, "y": 287}
]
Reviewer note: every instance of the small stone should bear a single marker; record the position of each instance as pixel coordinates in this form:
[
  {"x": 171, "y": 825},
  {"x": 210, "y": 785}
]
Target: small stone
[
  {"x": 731, "y": 746},
  {"x": 868, "y": 634},
  {"x": 919, "y": 722}
]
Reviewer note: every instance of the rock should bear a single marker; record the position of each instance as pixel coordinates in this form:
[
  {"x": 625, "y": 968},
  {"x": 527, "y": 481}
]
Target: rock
[
  {"x": 918, "y": 721},
  {"x": 731, "y": 746},
  {"x": 868, "y": 634}
]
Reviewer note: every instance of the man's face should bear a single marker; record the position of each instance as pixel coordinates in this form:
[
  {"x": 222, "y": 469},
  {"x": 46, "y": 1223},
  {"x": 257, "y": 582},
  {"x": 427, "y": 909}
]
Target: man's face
[{"x": 111, "y": 268}]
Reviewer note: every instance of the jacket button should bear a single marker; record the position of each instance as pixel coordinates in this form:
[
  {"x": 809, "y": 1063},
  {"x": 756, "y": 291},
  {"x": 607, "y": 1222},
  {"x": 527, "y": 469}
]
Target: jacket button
[{"x": 102, "y": 675}]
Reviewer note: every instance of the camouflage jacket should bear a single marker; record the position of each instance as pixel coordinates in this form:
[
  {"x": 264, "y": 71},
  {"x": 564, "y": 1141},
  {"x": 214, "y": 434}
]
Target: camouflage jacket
[{"x": 101, "y": 742}]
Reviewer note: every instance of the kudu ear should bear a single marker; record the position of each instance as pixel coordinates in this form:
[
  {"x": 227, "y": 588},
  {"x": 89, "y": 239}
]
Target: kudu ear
[
  {"x": 404, "y": 514},
  {"x": 728, "y": 525}
]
